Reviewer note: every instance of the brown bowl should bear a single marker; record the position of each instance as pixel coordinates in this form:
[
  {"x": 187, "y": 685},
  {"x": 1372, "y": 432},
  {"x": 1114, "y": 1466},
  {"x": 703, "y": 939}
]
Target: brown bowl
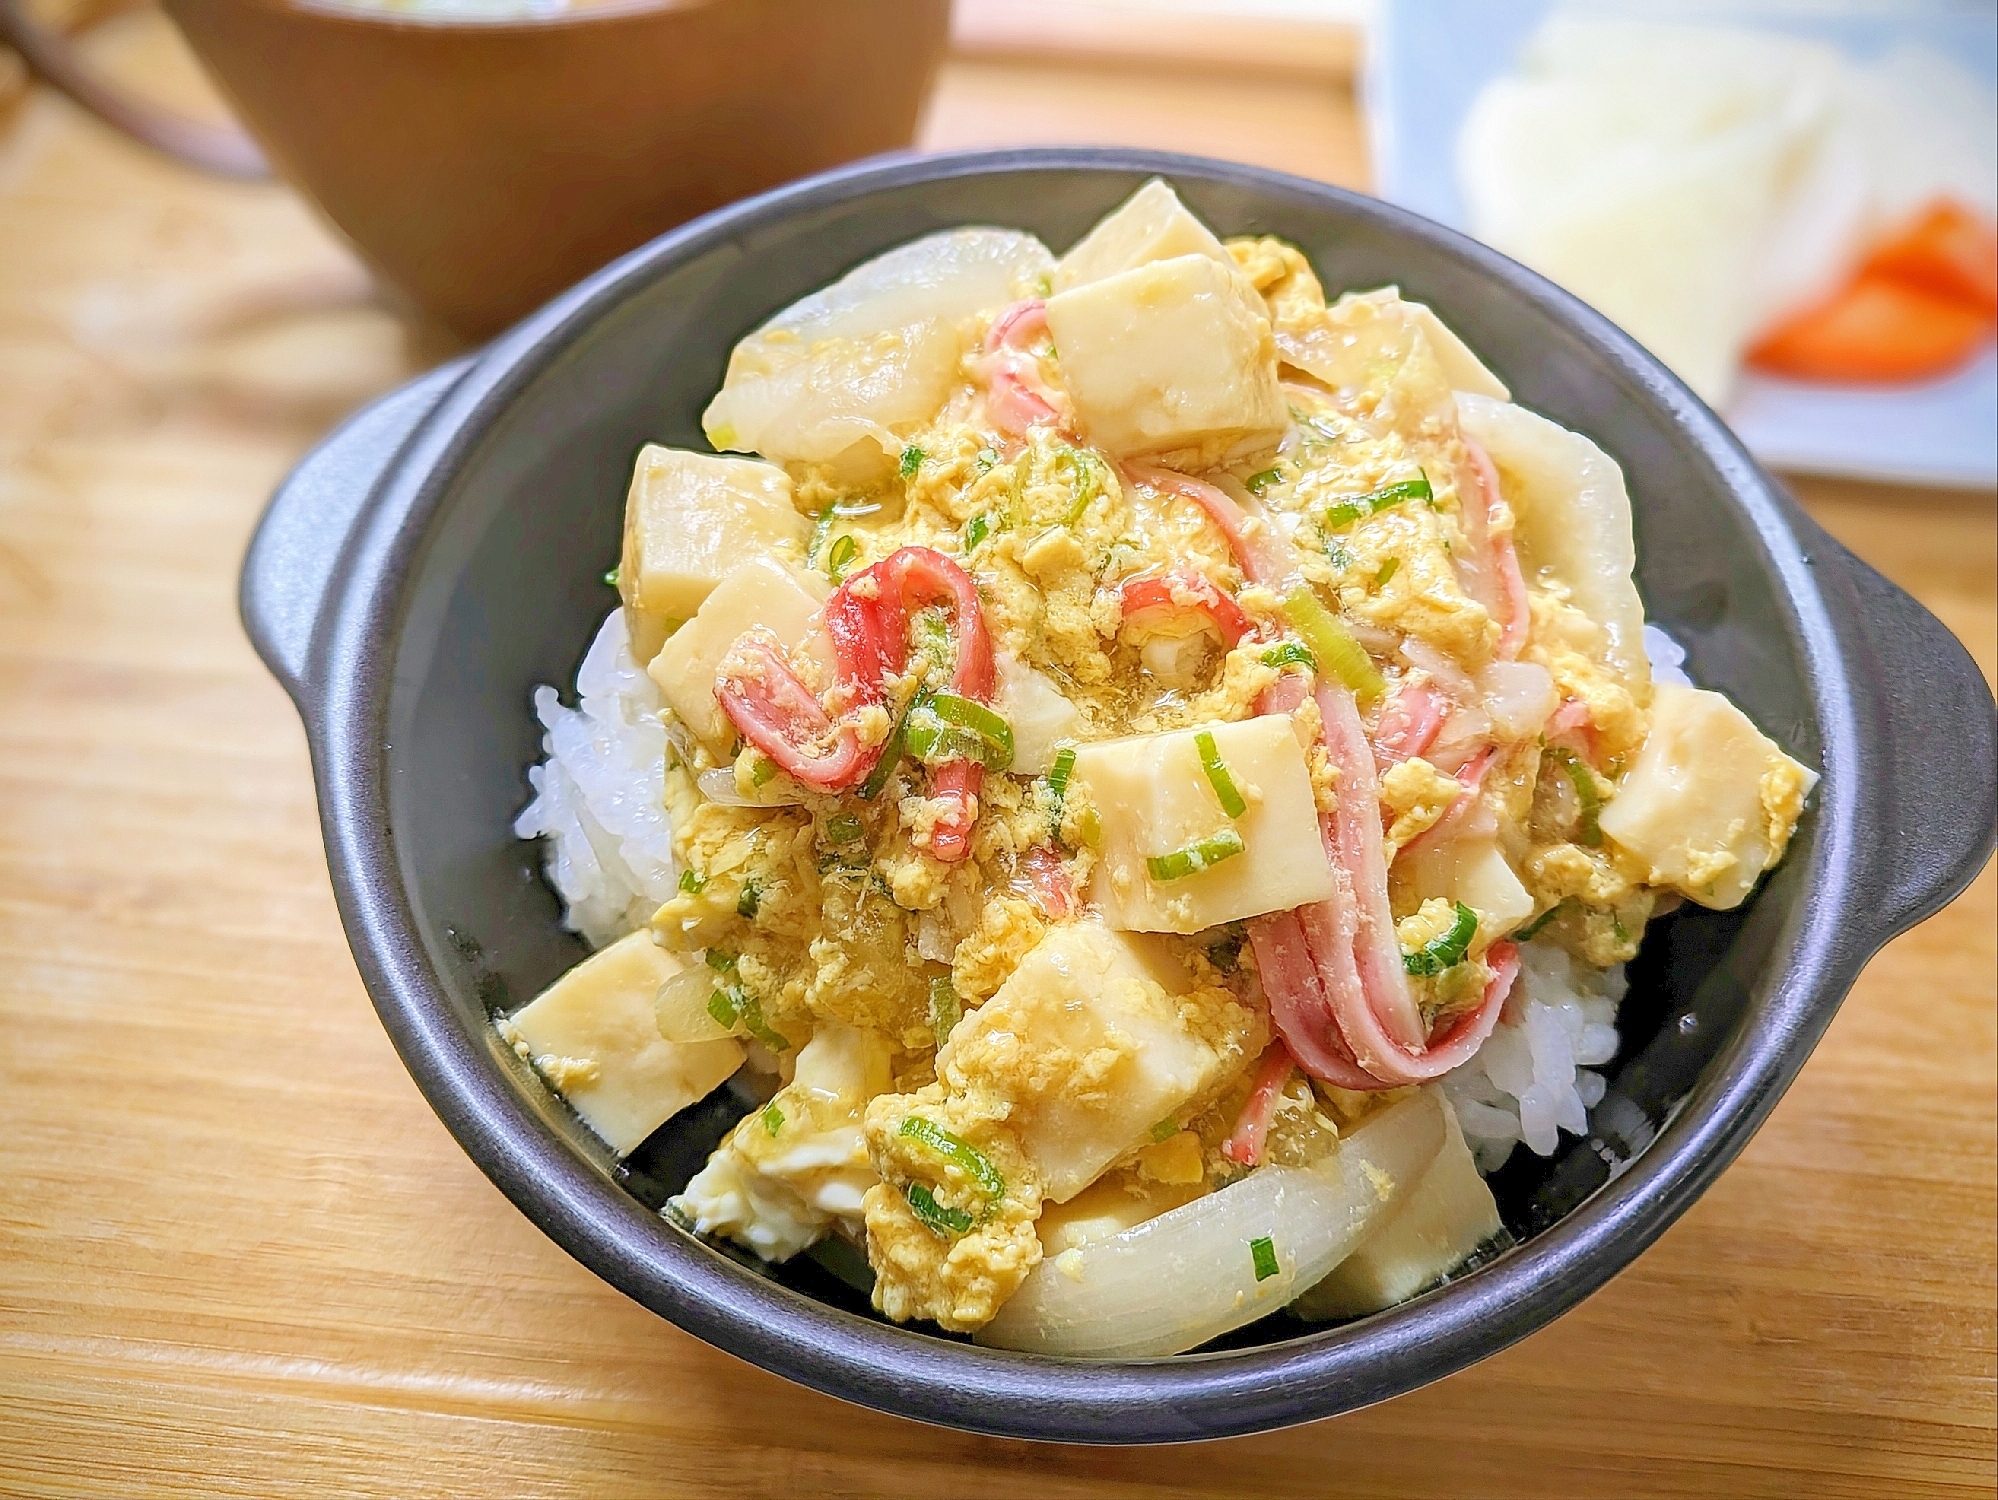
[{"x": 482, "y": 165}]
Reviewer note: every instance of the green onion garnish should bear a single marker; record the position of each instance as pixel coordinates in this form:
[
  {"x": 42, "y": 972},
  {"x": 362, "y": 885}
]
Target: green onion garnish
[
  {"x": 734, "y": 1006},
  {"x": 1226, "y": 953},
  {"x": 750, "y": 898},
  {"x": 1201, "y": 854},
  {"x": 844, "y": 550},
  {"x": 1257, "y": 483},
  {"x": 1262, "y": 1250},
  {"x": 945, "y": 1008},
  {"x": 985, "y": 460},
  {"x": 912, "y": 460},
  {"x": 772, "y": 1118},
  {"x": 719, "y": 959},
  {"x": 1290, "y": 654},
  {"x": 761, "y": 769},
  {"x": 891, "y": 756},
  {"x": 938, "y": 1218},
  {"x": 1217, "y": 775},
  {"x": 1387, "y": 571},
  {"x": 1166, "y": 1129},
  {"x": 611, "y": 577},
  {"x": 692, "y": 880},
  {"x": 945, "y": 727},
  {"x": 1346, "y": 512},
  {"x": 1447, "y": 951},
  {"x": 932, "y": 633},
  {"x": 1533, "y": 927},
  {"x": 1584, "y": 782},
  {"x": 957, "y": 1151},
  {"x": 1339, "y": 557},
  {"x": 1060, "y": 771},
  {"x": 821, "y": 528},
  {"x": 1087, "y": 477},
  {"x": 845, "y": 828},
  {"x": 1333, "y": 644},
  {"x": 976, "y": 530}
]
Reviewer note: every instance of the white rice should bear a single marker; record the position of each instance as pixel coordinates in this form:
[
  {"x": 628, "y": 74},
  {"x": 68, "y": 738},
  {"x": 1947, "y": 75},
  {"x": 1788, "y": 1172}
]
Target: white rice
[{"x": 599, "y": 798}]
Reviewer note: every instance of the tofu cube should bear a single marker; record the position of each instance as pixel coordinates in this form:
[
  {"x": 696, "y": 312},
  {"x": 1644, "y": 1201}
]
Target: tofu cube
[
  {"x": 1174, "y": 354},
  {"x": 1474, "y": 872},
  {"x": 592, "y": 1035},
  {"x": 1710, "y": 801},
  {"x": 761, "y": 591},
  {"x": 689, "y": 520},
  {"x": 1152, "y": 224},
  {"x": 1153, "y": 798},
  {"x": 1448, "y": 1216},
  {"x": 1086, "y": 1042}
]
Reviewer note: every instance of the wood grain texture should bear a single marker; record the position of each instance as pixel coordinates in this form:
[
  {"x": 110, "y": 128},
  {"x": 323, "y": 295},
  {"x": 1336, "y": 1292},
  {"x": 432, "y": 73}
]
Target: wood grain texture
[{"x": 239, "y": 1256}]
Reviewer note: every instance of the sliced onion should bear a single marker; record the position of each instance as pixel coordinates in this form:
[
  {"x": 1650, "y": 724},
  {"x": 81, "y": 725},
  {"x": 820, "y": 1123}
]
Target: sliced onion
[
  {"x": 1519, "y": 696},
  {"x": 719, "y": 787},
  {"x": 681, "y": 1007},
  {"x": 1188, "y": 1276}
]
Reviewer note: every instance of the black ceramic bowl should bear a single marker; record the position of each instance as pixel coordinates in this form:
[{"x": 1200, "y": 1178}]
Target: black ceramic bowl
[{"x": 443, "y": 552}]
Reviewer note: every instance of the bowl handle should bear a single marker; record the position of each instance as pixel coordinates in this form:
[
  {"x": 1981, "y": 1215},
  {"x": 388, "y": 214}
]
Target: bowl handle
[
  {"x": 1928, "y": 738},
  {"x": 294, "y": 556}
]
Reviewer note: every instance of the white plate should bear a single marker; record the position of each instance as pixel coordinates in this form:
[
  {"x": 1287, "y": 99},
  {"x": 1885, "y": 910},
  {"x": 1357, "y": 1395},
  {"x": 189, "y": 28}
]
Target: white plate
[{"x": 1427, "y": 59}]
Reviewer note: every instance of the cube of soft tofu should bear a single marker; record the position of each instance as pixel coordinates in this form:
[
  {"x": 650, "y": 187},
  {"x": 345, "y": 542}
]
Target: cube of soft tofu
[
  {"x": 1448, "y": 1216},
  {"x": 1105, "y": 1208},
  {"x": 1474, "y": 872},
  {"x": 689, "y": 520},
  {"x": 1152, "y": 224},
  {"x": 1153, "y": 797},
  {"x": 1086, "y": 1042},
  {"x": 1173, "y": 354},
  {"x": 761, "y": 591},
  {"x": 1710, "y": 802},
  {"x": 592, "y": 1035}
]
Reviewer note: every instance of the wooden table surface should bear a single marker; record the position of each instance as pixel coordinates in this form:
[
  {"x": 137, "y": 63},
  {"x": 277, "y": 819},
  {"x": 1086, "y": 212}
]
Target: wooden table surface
[{"x": 239, "y": 1256}]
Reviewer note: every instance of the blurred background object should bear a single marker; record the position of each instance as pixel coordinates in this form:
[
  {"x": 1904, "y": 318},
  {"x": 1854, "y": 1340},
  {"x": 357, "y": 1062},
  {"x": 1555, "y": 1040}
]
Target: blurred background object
[
  {"x": 1791, "y": 202},
  {"x": 422, "y": 127}
]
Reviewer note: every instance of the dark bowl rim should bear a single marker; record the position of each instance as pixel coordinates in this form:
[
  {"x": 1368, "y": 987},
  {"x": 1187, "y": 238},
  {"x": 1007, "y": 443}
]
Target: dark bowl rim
[{"x": 915, "y": 1374}]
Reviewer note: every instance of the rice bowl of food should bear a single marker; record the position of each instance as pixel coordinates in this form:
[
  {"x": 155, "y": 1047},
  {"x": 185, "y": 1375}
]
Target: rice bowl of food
[{"x": 1129, "y": 858}]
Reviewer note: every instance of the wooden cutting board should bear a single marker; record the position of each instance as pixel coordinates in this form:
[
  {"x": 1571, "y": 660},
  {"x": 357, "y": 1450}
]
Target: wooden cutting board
[{"x": 239, "y": 1256}]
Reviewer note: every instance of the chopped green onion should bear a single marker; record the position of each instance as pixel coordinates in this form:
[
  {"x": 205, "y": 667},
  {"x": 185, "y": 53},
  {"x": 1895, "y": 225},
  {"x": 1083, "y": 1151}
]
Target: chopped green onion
[
  {"x": 1447, "y": 951},
  {"x": 1346, "y": 512},
  {"x": 845, "y": 828},
  {"x": 957, "y": 1151},
  {"x": 692, "y": 881},
  {"x": 612, "y": 576},
  {"x": 821, "y": 529},
  {"x": 1259, "y": 482},
  {"x": 733, "y": 1006},
  {"x": 772, "y": 1118},
  {"x": 750, "y": 898},
  {"x": 1339, "y": 557},
  {"x": 1584, "y": 782},
  {"x": 1166, "y": 1129},
  {"x": 1617, "y": 927},
  {"x": 761, "y": 770},
  {"x": 1217, "y": 775},
  {"x": 1333, "y": 644},
  {"x": 844, "y": 550},
  {"x": 719, "y": 959},
  {"x": 1387, "y": 571},
  {"x": 1201, "y": 854},
  {"x": 723, "y": 438},
  {"x": 1087, "y": 475},
  {"x": 912, "y": 460},
  {"x": 945, "y": 1009},
  {"x": 1226, "y": 953},
  {"x": 1290, "y": 654},
  {"x": 945, "y": 727},
  {"x": 976, "y": 530},
  {"x": 932, "y": 633},
  {"x": 985, "y": 460},
  {"x": 938, "y": 1218},
  {"x": 1262, "y": 1250},
  {"x": 1090, "y": 826},
  {"x": 1061, "y": 770},
  {"x": 891, "y": 756},
  {"x": 1532, "y": 928},
  {"x": 1044, "y": 286}
]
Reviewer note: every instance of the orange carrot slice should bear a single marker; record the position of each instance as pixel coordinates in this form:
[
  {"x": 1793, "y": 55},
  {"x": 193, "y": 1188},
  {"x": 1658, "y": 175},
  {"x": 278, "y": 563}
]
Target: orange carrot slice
[
  {"x": 1948, "y": 251},
  {"x": 1877, "y": 330}
]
